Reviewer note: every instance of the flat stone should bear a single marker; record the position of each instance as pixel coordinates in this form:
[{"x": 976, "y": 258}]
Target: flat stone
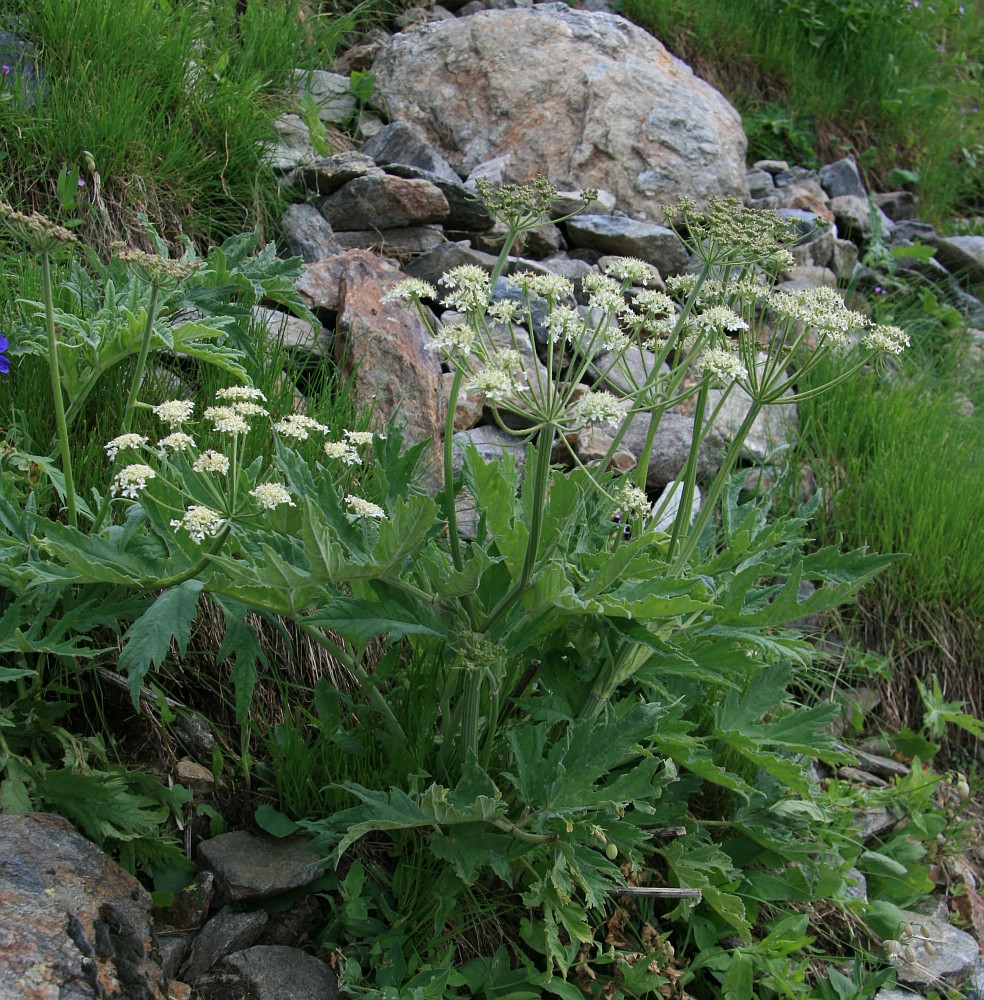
[
  {"x": 628, "y": 374},
  {"x": 434, "y": 264},
  {"x": 402, "y": 143},
  {"x": 859, "y": 777},
  {"x": 466, "y": 210},
  {"x": 222, "y": 935},
  {"x": 318, "y": 284},
  {"x": 308, "y": 234},
  {"x": 248, "y": 867},
  {"x": 869, "y": 823},
  {"x": 326, "y": 174},
  {"x": 277, "y": 972},
  {"x": 287, "y": 330},
  {"x": 963, "y": 255},
  {"x": 73, "y": 923},
  {"x": 398, "y": 242},
  {"x": 671, "y": 448},
  {"x": 470, "y": 405},
  {"x": 877, "y": 764},
  {"x": 854, "y": 217},
  {"x": 331, "y": 91},
  {"x": 666, "y": 507},
  {"x": 172, "y": 949},
  {"x": 382, "y": 201},
  {"x": 190, "y": 906},
  {"x": 625, "y": 237},
  {"x": 771, "y": 166},
  {"x": 897, "y": 205},
  {"x": 294, "y": 147},
  {"x": 490, "y": 442},
  {"x": 760, "y": 183}
]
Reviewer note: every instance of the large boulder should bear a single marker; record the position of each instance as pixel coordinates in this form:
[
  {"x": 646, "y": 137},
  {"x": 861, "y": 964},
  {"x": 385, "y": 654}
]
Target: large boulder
[{"x": 585, "y": 99}]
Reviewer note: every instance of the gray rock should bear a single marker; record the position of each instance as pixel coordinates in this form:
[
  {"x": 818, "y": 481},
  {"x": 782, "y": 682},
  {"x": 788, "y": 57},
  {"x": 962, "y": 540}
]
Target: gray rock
[
  {"x": 581, "y": 98},
  {"x": 760, "y": 183},
  {"x": 897, "y": 205},
  {"x": 898, "y": 993},
  {"x": 854, "y": 217},
  {"x": 954, "y": 956},
  {"x": 248, "y": 867},
  {"x": 856, "y": 885},
  {"x": 466, "y": 210},
  {"x": 911, "y": 231},
  {"x": 671, "y": 448},
  {"x": 632, "y": 370},
  {"x": 859, "y": 777},
  {"x": 963, "y": 255},
  {"x": 172, "y": 949},
  {"x": 625, "y": 237},
  {"x": 382, "y": 201},
  {"x": 843, "y": 258},
  {"x": 771, "y": 166},
  {"x": 870, "y": 822},
  {"x": 491, "y": 443},
  {"x": 666, "y": 507},
  {"x": 291, "y": 332},
  {"x": 569, "y": 202},
  {"x": 401, "y": 143},
  {"x": 25, "y": 79},
  {"x": 434, "y": 264},
  {"x": 222, "y": 935},
  {"x": 276, "y": 972},
  {"x": 796, "y": 177},
  {"x": 885, "y": 767},
  {"x": 326, "y": 174},
  {"x": 817, "y": 249},
  {"x": 318, "y": 284},
  {"x": 399, "y": 243},
  {"x": 73, "y": 923},
  {"x": 810, "y": 225},
  {"x": 308, "y": 234},
  {"x": 842, "y": 177},
  {"x": 336, "y": 102}
]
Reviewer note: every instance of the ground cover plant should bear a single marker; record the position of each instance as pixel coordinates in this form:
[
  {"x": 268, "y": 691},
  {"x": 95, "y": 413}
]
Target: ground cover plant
[
  {"x": 895, "y": 83},
  {"x": 562, "y": 725},
  {"x": 161, "y": 110}
]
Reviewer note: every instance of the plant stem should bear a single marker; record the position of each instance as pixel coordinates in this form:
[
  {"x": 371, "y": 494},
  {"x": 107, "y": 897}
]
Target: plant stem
[
  {"x": 683, "y": 517},
  {"x": 138, "y": 373},
  {"x": 56, "y": 391},
  {"x": 450, "y": 512}
]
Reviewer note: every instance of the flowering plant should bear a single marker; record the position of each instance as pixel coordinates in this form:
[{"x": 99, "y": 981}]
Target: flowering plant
[{"x": 559, "y": 672}]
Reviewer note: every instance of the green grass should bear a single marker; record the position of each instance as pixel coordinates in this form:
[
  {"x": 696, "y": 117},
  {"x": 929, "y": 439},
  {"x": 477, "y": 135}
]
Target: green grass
[
  {"x": 902, "y": 470},
  {"x": 173, "y": 102},
  {"x": 894, "y": 84}
]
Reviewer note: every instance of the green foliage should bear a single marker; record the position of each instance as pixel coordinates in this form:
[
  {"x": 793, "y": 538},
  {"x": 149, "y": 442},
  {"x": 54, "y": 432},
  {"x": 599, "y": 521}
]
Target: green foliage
[
  {"x": 896, "y": 84},
  {"x": 175, "y": 101}
]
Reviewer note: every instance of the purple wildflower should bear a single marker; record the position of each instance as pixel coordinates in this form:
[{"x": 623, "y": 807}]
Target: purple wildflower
[
  {"x": 4, "y": 362},
  {"x": 5, "y": 69}
]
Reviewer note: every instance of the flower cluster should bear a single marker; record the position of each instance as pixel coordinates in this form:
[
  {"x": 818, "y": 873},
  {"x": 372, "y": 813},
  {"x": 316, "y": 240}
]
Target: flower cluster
[
  {"x": 270, "y": 495},
  {"x": 363, "y": 508},
  {"x": 298, "y": 426},
  {"x": 155, "y": 270},
  {"x": 36, "y": 229},
  {"x": 125, "y": 442},
  {"x": 131, "y": 479},
  {"x": 200, "y": 522},
  {"x": 4, "y": 361},
  {"x": 212, "y": 461},
  {"x": 174, "y": 412},
  {"x": 343, "y": 451}
]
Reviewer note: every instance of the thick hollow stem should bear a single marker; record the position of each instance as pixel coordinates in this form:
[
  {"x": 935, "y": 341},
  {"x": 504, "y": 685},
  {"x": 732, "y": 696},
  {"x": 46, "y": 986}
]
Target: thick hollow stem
[{"x": 131, "y": 399}]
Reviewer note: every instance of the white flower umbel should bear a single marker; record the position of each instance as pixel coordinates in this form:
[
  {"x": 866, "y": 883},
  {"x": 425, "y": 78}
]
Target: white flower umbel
[
  {"x": 604, "y": 293},
  {"x": 226, "y": 420},
  {"x": 631, "y": 270},
  {"x": 342, "y": 451},
  {"x": 721, "y": 318},
  {"x": 597, "y": 408},
  {"x": 246, "y": 408},
  {"x": 453, "y": 341},
  {"x": 178, "y": 441},
  {"x": 503, "y": 311},
  {"x": 270, "y": 495},
  {"x": 212, "y": 461},
  {"x": 495, "y": 383},
  {"x": 123, "y": 443},
  {"x": 175, "y": 411},
  {"x": 632, "y": 500},
  {"x": 886, "y": 339},
  {"x": 200, "y": 522},
  {"x": 363, "y": 508},
  {"x": 723, "y": 363},
  {"x": 411, "y": 290},
  {"x": 240, "y": 392},
  {"x": 546, "y": 286},
  {"x": 298, "y": 426},
  {"x": 468, "y": 289},
  {"x": 362, "y": 437},
  {"x": 564, "y": 323},
  {"x": 131, "y": 479}
]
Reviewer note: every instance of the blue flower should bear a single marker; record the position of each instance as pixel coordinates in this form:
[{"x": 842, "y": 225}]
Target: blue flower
[{"x": 4, "y": 362}]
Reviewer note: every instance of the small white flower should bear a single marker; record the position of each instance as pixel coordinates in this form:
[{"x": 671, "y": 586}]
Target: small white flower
[
  {"x": 200, "y": 522},
  {"x": 631, "y": 499},
  {"x": 240, "y": 392},
  {"x": 604, "y": 293},
  {"x": 131, "y": 479},
  {"x": 653, "y": 303},
  {"x": 363, "y": 508},
  {"x": 469, "y": 289},
  {"x": 597, "y": 408},
  {"x": 682, "y": 284},
  {"x": 362, "y": 437},
  {"x": 722, "y": 362},
  {"x": 247, "y": 409},
  {"x": 496, "y": 384},
  {"x": 297, "y": 426},
  {"x": 174, "y": 412},
  {"x": 410, "y": 290},
  {"x": 630, "y": 269},
  {"x": 563, "y": 323},
  {"x": 721, "y": 318},
  {"x": 503, "y": 311},
  {"x": 226, "y": 420},
  {"x": 270, "y": 495},
  {"x": 178, "y": 441},
  {"x": 547, "y": 286},
  {"x": 508, "y": 360},
  {"x": 886, "y": 339},
  {"x": 343, "y": 451},
  {"x": 453, "y": 340},
  {"x": 211, "y": 461},
  {"x": 615, "y": 339},
  {"x": 123, "y": 443}
]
